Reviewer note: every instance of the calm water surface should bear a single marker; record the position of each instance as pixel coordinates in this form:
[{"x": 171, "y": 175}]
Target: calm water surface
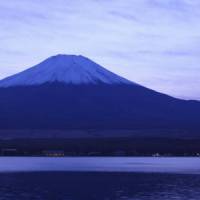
[{"x": 99, "y": 178}]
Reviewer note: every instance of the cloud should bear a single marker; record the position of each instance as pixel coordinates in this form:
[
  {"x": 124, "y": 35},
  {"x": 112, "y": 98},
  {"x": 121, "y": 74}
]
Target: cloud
[{"x": 143, "y": 40}]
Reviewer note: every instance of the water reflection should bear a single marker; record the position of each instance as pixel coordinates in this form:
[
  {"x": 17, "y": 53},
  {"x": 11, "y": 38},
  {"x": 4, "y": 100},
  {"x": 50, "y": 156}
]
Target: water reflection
[{"x": 98, "y": 186}]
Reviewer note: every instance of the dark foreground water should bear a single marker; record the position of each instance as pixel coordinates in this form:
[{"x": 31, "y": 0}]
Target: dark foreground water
[
  {"x": 99, "y": 178},
  {"x": 99, "y": 186}
]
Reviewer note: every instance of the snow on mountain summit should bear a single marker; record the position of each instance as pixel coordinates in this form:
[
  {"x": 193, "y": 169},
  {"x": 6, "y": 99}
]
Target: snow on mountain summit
[{"x": 66, "y": 69}]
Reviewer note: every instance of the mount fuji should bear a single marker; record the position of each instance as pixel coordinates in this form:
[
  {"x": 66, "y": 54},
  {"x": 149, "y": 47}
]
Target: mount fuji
[
  {"x": 68, "y": 92},
  {"x": 68, "y": 69}
]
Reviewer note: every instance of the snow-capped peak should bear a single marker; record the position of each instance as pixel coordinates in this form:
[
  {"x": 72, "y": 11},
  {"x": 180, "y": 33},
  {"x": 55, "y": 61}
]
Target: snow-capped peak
[{"x": 66, "y": 69}]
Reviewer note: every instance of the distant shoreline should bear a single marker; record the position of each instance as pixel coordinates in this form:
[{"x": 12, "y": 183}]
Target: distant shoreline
[{"x": 133, "y": 147}]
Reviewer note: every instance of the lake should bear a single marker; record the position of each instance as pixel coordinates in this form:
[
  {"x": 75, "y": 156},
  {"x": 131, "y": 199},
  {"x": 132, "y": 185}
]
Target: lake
[{"x": 99, "y": 178}]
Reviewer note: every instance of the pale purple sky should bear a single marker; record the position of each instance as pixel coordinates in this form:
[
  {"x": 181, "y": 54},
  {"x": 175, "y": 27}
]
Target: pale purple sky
[{"x": 153, "y": 42}]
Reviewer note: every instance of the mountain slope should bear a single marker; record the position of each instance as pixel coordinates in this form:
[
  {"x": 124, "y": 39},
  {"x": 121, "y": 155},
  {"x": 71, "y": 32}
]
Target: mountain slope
[
  {"x": 69, "y": 69},
  {"x": 53, "y": 95}
]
